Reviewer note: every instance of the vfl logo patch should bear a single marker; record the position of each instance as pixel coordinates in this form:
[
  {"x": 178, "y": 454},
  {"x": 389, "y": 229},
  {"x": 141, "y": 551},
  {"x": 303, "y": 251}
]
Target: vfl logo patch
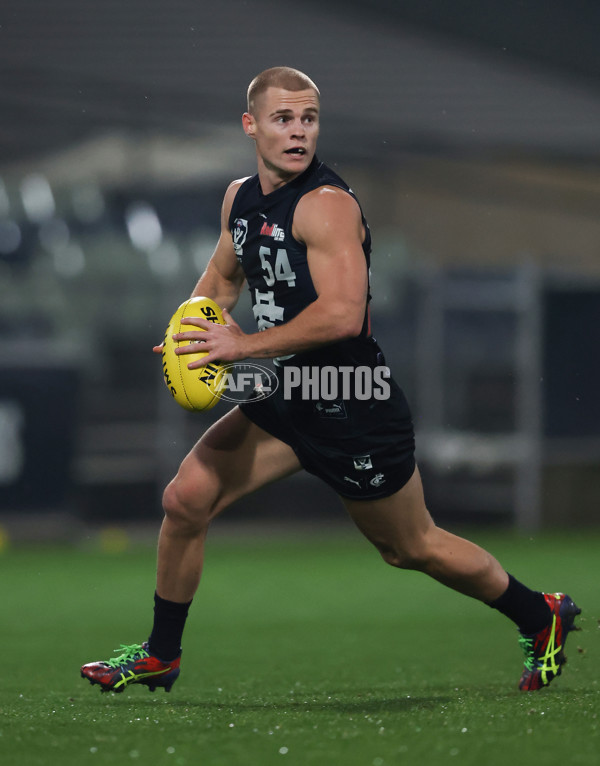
[
  {"x": 273, "y": 230},
  {"x": 363, "y": 463},
  {"x": 239, "y": 234}
]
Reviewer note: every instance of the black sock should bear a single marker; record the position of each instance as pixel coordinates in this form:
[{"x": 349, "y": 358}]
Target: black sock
[
  {"x": 169, "y": 622},
  {"x": 527, "y": 608}
]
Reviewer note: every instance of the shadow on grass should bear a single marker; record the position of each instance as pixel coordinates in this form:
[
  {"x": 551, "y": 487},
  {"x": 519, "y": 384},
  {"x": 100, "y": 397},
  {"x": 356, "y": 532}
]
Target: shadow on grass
[{"x": 362, "y": 703}]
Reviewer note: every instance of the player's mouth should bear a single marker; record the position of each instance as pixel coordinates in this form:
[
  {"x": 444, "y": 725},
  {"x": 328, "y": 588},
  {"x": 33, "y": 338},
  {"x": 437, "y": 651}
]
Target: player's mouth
[{"x": 296, "y": 150}]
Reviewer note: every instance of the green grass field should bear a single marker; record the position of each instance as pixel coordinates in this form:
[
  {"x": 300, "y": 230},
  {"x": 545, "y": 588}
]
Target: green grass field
[{"x": 297, "y": 653}]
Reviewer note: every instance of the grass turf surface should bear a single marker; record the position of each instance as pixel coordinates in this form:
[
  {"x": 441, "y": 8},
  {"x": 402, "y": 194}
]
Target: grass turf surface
[{"x": 297, "y": 653}]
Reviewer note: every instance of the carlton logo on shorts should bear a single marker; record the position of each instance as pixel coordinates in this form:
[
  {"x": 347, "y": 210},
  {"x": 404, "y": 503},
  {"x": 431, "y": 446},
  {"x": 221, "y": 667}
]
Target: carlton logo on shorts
[{"x": 377, "y": 480}]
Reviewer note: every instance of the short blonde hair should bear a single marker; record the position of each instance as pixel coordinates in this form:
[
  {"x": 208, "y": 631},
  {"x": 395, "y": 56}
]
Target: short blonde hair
[{"x": 278, "y": 77}]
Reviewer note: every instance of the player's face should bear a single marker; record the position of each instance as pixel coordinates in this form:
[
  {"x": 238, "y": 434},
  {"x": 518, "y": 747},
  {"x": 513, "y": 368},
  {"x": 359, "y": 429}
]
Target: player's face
[{"x": 285, "y": 126}]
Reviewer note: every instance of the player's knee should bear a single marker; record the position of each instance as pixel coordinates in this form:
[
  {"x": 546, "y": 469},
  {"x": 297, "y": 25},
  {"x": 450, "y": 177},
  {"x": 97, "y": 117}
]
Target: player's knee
[{"x": 186, "y": 508}]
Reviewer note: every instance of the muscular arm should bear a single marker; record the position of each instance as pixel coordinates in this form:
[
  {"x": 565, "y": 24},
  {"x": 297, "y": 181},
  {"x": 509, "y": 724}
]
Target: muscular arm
[
  {"x": 328, "y": 221},
  {"x": 223, "y": 277}
]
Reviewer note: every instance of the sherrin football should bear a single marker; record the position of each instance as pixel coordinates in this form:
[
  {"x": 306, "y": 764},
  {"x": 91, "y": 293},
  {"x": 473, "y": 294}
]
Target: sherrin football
[{"x": 196, "y": 389}]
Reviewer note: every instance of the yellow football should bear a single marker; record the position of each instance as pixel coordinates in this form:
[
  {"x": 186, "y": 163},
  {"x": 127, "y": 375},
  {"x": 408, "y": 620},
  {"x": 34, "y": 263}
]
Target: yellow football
[{"x": 197, "y": 389}]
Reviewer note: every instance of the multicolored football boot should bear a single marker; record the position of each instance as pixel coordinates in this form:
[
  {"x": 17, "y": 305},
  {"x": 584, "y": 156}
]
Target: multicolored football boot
[
  {"x": 544, "y": 651},
  {"x": 134, "y": 665}
]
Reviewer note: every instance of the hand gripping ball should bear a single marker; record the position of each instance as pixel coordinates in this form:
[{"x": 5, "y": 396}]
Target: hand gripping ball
[{"x": 197, "y": 389}]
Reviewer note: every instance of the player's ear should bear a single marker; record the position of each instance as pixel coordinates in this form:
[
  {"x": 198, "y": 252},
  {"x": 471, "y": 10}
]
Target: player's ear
[{"x": 249, "y": 124}]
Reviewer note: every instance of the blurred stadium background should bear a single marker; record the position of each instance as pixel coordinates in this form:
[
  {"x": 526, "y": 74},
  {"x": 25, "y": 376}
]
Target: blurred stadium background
[{"x": 470, "y": 131}]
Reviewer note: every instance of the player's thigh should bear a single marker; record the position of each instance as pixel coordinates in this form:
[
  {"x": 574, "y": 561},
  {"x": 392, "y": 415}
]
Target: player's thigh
[
  {"x": 396, "y": 524},
  {"x": 233, "y": 458}
]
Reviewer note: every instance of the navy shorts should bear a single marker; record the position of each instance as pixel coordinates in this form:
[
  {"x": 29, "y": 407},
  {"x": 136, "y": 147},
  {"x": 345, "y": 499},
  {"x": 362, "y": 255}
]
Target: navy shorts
[{"x": 362, "y": 449}]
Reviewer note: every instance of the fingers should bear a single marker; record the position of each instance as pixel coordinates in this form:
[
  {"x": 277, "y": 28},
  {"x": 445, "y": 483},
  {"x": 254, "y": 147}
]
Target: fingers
[
  {"x": 195, "y": 346},
  {"x": 198, "y": 322},
  {"x": 215, "y": 342},
  {"x": 193, "y": 337},
  {"x": 206, "y": 332},
  {"x": 208, "y": 359},
  {"x": 229, "y": 320}
]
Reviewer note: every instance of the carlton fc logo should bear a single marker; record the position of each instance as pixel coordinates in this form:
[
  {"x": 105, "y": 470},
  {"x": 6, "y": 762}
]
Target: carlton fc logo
[{"x": 239, "y": 234}]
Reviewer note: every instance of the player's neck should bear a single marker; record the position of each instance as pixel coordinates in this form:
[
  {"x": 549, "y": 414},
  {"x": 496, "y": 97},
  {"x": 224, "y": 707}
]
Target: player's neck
[{"x": 271, "y": 178}]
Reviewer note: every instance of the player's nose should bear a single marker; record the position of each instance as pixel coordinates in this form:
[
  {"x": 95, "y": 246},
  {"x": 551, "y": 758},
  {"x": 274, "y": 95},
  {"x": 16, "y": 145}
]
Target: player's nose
[{"x": 298, "y": 128}]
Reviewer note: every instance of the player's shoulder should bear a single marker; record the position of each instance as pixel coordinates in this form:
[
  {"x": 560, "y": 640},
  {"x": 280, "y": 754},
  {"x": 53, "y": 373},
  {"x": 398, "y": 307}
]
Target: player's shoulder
[
  {"x": 327, "y": 211},
  {"x": 234, "y": 186},
  {"x": 327, "y": 200},
  {"x": 230, "y": 195}
]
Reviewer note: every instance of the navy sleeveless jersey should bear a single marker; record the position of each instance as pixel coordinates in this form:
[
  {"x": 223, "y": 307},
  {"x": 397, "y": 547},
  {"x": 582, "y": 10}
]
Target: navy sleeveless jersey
[
  {"x": 275, "y": 263},
  {"x": 362, "y": 447}
]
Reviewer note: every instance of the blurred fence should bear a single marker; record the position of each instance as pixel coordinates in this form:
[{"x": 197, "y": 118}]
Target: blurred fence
[
  {"x": 476, "y": 164},
  {"x": 500, "y": 364}
]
